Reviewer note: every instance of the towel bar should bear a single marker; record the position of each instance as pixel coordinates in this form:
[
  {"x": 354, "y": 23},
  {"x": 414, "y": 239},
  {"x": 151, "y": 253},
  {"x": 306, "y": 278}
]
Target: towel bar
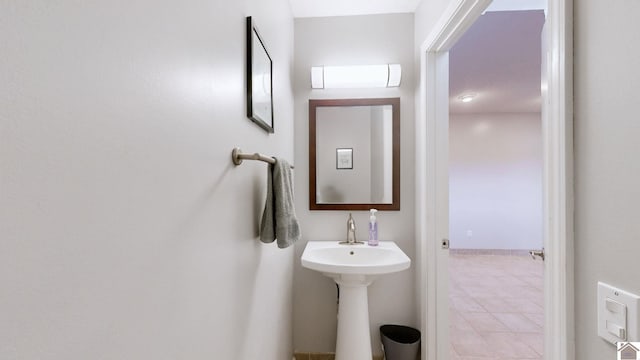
[{"x": 237, "y": 155}]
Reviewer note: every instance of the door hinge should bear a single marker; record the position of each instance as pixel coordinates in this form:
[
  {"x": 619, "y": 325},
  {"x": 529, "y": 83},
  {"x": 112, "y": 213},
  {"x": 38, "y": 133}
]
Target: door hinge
[{"x": 539, "y": 253}]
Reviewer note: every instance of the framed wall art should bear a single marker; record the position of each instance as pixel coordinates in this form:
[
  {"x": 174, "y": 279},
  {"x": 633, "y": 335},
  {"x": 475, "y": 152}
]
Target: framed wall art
[
  {"x": 259, "y": 79},
  {"x": 344, "y": 159}
]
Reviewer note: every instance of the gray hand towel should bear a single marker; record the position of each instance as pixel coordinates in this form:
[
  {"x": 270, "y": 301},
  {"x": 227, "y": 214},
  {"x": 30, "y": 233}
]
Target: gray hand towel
[{"x": 279, "y": 216}]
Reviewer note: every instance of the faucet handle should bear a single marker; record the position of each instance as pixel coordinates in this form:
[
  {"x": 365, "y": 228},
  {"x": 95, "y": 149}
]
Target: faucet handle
[{"x": 351, "y": 232}]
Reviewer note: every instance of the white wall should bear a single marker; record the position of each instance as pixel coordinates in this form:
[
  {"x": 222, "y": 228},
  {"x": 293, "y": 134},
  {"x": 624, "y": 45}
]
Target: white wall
[
  {"x": 495, "y": 181},
  {"x": 125, "y": 230},
  {"x": 376, "y": 39},
  {"x": 607, "y": 169}
]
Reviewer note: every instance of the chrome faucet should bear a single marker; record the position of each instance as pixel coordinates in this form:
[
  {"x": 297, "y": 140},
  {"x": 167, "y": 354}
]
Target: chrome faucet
[{"x": 351, "y": 232}]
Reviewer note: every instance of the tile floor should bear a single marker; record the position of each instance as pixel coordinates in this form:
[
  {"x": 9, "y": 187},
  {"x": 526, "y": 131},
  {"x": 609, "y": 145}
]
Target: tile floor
[{"x": 496, "y": 307}]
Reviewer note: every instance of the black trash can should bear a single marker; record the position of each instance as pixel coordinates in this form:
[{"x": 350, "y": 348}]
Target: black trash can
[{"x": 400, "y": 342}]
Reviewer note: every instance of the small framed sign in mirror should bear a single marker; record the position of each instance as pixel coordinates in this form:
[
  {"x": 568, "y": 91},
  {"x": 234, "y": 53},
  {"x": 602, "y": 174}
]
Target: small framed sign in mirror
[
  {"x": 344, "y": 159},
  {"x": 259, "y": 79}
]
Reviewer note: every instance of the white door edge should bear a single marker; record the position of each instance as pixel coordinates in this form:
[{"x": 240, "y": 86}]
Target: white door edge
[
  {"x": 557, "y": 135},
  {"x": 432, "y": 180}
]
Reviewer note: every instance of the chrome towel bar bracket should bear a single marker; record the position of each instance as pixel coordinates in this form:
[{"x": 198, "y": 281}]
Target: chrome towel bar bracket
[{"x": 237, "y": 156}]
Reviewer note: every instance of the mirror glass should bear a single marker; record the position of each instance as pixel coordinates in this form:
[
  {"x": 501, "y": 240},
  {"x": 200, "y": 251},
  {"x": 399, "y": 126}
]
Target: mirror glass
[{"x": 354, "y": 154}]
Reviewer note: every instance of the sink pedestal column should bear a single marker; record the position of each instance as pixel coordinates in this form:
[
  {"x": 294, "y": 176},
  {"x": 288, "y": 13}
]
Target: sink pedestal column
[{"x": 354, "y": 339}]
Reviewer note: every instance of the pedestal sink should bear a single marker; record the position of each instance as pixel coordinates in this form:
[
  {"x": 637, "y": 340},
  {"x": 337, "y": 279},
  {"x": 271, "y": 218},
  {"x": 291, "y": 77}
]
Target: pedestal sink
[{"x": 353, "y": 268}]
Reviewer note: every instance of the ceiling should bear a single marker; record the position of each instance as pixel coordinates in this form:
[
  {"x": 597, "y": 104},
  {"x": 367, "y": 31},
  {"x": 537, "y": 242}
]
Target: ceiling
[
  {"x": 498, "y": 59},
  {"x": 317, "y": 8}
]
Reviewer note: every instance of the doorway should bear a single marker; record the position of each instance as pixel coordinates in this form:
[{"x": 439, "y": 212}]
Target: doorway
[
  {"x": 432, "y": 126},
  {"x": 496, "y": 301}
]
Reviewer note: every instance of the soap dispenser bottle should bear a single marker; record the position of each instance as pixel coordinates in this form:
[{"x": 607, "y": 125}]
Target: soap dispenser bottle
[{"x": 373, "y": 228}]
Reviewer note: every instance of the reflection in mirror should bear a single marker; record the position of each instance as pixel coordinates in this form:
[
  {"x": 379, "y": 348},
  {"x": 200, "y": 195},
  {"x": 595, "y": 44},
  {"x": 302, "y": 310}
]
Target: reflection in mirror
[
  {"x": 360, "y": 173},
  {"x": 354, "y": 154}
]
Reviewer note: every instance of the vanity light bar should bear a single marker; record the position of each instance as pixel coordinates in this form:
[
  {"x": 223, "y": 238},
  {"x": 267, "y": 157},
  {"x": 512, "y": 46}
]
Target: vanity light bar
[{"x": 356, "y": 76}]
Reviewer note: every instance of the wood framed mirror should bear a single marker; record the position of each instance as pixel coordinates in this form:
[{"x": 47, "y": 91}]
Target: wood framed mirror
[{"x": 354, "y": 154}]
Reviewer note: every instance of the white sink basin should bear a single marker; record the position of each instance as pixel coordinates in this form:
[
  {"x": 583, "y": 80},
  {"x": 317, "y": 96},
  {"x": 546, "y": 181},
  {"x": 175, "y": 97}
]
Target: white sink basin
[
  {"x": 353, "y": 268},
  {"x": 330, "y": 257}
]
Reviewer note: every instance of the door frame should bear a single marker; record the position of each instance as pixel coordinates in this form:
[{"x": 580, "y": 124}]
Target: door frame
[{"x": 432, "y": 193}]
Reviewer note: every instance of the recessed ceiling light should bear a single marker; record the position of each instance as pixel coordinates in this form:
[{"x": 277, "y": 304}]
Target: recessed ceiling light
[{"x": 467, "y": 97}]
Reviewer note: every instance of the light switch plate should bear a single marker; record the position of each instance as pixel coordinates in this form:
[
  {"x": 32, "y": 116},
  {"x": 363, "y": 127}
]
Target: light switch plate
[{"x": 618, "y": 317}]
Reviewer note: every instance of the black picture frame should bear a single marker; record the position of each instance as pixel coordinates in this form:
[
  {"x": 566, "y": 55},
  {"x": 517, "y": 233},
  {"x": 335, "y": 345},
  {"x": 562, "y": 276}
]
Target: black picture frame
[{"x": 259, "y": 79}]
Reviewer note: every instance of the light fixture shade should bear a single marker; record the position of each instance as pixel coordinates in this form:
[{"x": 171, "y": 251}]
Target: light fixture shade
[
  {"x": 317, "y": 77},
  {"x": 355, "y": 76},
  {"x": 395, "y": 75}
]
